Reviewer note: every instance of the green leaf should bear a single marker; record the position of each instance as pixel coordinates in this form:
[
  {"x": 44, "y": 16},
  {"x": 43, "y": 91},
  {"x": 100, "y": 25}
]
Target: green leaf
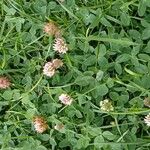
[
  {"x": 52, "y": 5},
  {"x": 83, "y": 142},
  {"x": 81, "y": 99},
  {"x": 146, "y": 34},
  {"x": 99, "y": 75},
  {"x": 101, "y": 51},
  {"x": 122, "y": 58},
  {"x": 26, "y": 100},
  {"x": 100, "y": 90},
  {"x": 118, "y": 68},
  {"x": 30, "y": 113},
  {"x": 78, "y": 114},
  {"x": 122, "y": 41},
  {"x": 105, "y": 22},
  {"x": 125, "y": 19},
  {"x": 98, "y": 142},
  {"x": 94, "y": 131},
  {"x": 7, "y": 95},
  {"x": 108, "y": 135},
  {"x": 84, "y": 80},
  {"x": 142, "y": 7},
  {"x": 148, "y": 3},
  {"x": 44, "y": 137},
  {"x": 135, "y": 34}
]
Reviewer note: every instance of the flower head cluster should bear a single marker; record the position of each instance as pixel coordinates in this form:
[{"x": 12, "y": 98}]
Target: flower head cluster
[
  {"x": 147, "y": 102},
  {"x": 106, "y": 105},
  {"x": 60, "y": 45},
  {"x": 65, "y": 99},
  {"x": 52, "y": 29},
  {"x": 49, "y": 68},
  {"x": 147, "y": 120},
  {"x": 4, "y": 82},
  {"x": 40, "y": 124}
]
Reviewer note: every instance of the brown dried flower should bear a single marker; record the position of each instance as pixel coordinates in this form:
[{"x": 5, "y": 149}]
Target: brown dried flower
[
  {"x": 147, "y": 101},
  {"x": 4, "y": 82},
  {"x": 51, "y": 28},
  {"x": 40, "y": 124},
  {"x": 57, "y": 63}
]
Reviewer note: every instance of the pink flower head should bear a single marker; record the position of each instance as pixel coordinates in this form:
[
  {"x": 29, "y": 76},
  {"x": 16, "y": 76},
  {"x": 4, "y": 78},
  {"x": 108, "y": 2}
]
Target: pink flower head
[
  {"x": 4, "y": 82},
  {"x": 49, "y": 69},
  {"x": 65, "y": 99},
  {"x": 60, "y": 46}
]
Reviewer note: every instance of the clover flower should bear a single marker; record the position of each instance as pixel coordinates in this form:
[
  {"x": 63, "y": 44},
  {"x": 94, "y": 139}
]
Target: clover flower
[
  {"x": 147, "y": 101},
  {"x": 51, "y": 28},
  {"x": 147, "y": 119},
  {"x": 106, "y": 105},
  {"x": 4, "y": 82},
  {"x": 57, "y": 63},
  {"x": 49, "y": 68},
  {"x": 40, "y": 124},
  {"x": 60, "y": 45},
  {"x": 65, "y": 99}
]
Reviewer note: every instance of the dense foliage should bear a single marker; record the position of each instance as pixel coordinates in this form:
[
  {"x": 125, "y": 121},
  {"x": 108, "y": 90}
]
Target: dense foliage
[{"x": 108, "y": 58}]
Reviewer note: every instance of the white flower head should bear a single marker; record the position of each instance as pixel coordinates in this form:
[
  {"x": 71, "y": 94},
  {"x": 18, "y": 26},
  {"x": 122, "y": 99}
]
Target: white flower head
[
  {"x": 106, "y": 105},
  {"x": 49, "y": 69},
  {"x": 65, "y": 99},
  {"x": 147, "y": 119},
  {"x": 60, "y": 45}
]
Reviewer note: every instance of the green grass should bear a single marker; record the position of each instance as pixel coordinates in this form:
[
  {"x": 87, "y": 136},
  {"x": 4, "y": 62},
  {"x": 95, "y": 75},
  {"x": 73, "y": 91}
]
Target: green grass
[{"x": 108, "y": 58}]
